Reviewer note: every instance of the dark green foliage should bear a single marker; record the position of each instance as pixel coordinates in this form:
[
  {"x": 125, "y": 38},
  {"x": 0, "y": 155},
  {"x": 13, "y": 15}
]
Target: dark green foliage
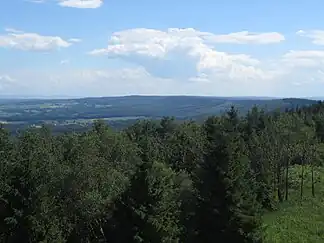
[
  {"x": 149, "y": 210},
  {"x": 185, "y": 146},
  {"x": 227, "y": 208},
  {"x": 159, "y": 180}
]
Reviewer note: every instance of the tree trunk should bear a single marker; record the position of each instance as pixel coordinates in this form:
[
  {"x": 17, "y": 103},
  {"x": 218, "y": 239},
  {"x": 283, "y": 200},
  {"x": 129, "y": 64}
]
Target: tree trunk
[
  {"x": 313, "y": 185},
  {"x": 286, "y": 182},
  {"x": 274, "y": 182},
  {"x": 279, "y": 182},
  {"x": 302, "y": 179}
]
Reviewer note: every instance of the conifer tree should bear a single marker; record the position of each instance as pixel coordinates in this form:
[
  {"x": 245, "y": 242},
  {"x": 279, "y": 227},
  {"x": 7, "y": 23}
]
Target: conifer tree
[{"x": 227, "y": 208}]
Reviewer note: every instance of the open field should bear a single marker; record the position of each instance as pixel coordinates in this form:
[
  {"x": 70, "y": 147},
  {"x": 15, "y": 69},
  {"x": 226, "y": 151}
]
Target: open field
[{"x": 298, "y": 221}]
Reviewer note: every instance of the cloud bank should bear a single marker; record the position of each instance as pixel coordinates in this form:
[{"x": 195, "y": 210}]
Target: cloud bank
[
  {"x": 187, "y": 52},
  {"x": 174, "y": 61}
]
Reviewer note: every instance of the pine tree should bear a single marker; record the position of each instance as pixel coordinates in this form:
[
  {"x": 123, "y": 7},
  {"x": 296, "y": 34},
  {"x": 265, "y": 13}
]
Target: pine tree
[
  {"x": 227, "y": 208},
  {"x": 149, "y": 211}
]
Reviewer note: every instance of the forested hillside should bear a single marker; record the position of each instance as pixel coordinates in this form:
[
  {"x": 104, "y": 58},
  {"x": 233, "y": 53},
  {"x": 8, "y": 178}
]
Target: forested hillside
[
  {"x": 65, "y": 115},
  {"x": 163, "y": 181}
]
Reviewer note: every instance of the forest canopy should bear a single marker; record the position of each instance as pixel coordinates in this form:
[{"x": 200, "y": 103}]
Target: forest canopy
[{"x": 159, "y": 181}]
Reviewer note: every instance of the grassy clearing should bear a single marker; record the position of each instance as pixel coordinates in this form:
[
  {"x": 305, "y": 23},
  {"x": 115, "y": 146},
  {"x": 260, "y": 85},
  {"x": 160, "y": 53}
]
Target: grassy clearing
[
  {"x": 91, "y": 120},
  {"x": 298, "y": 221}
]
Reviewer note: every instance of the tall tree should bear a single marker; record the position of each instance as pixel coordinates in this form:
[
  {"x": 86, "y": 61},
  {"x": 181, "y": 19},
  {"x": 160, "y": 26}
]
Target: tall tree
[{"x": 224, "y": 185}]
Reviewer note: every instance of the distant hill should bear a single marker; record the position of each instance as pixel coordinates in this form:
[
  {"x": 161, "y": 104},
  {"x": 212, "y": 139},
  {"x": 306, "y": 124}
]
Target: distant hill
[
  {"x": 181, "y": 107},
  {"x": 119, "y": 112}
]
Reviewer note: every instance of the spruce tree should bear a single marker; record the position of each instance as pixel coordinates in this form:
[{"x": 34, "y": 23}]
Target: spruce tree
[{"x": 227, "y": 207}]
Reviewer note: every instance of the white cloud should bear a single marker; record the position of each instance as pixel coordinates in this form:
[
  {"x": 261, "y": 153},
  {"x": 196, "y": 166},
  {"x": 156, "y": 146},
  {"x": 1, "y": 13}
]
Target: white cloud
[
  {"x": 6, "y": 78},
  {"x": 85, "y": 82},
  {"x": 156, "y": 43},
  {"x": 75, "y": 40},
  {"x": 245, "y": 37},
  {"x": 107, "y": 82},
  {"x": 178, "y": 61},
  {"x": 317, "y": 36},
  {"x": 35, "y": 1},
  {"x": 186, "y": 52},
  {"x": 305, "y": 58},
  {"x": 81, "y": 3},
  {"x": 6, "y": 81},
  {"x": 280, "y": 80},
  {"x": 301, "y": 73},
  {"x": 64, "y": 62},
  {"x": 13, "y": 30},
  {"x": 193, "y": 61},
  {"x": 74, "y": 3},
  {"x": 25, "y": 41}
]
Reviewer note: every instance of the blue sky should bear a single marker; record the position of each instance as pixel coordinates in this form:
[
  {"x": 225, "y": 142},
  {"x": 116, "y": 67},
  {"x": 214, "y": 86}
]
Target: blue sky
[{"x": 110, "y": 47}]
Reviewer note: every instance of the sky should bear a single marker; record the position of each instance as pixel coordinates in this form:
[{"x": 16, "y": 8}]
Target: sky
[{"x": 117, "y": 47}]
